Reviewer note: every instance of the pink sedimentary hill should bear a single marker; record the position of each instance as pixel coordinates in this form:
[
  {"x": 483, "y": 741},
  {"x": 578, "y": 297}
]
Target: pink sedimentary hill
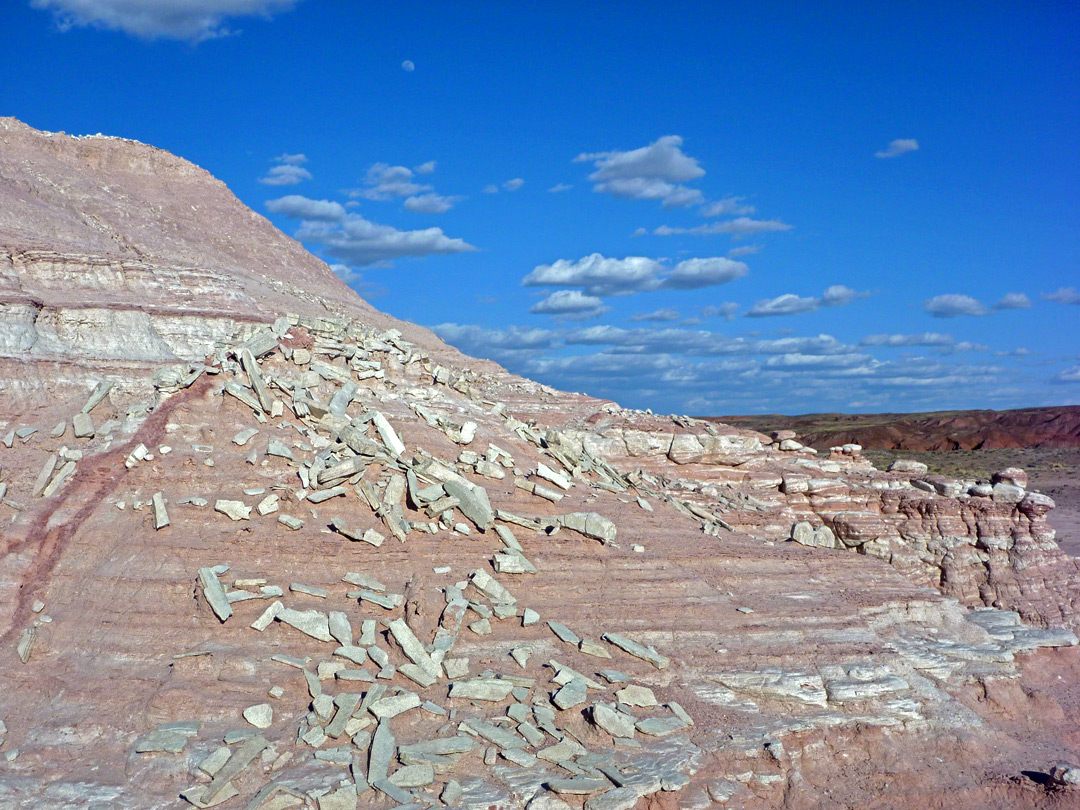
[{"x": 264, "y": 547}]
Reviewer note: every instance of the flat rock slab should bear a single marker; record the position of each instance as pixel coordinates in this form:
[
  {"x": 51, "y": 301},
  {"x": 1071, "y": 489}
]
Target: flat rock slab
[
  {"x": 578, "y": 785},
  {"x": 237, "y": 510},
  {"x": 491, "y": 689},
  {"x": 312, "y": 622},
  {"x": 622, "y": 798}
]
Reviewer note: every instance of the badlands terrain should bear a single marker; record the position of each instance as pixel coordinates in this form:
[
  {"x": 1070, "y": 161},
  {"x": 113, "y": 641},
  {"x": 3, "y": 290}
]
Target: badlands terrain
[
  {"x": 1045, "y": 442},
  {"x": 266, "y": 547}
]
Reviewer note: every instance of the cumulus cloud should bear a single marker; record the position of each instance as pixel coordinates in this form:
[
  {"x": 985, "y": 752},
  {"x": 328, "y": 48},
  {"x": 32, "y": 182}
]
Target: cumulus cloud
[
  {"x": 600, "y": 275},
  {"x": 571, "y": 303},
  {"x": 597, "y": 274},
  {"x": 490, "y": 189},
  {"x": 384, "y": 182},
  {"x": 555, "y": 189},
  {"x": 923, "y": 339},
  {"x": 726, "y": 311},
  {"x": 693, "y": 274},
  {"x": 653, "y": 172},
  {"x": 744, "y": 250},
  {"x": 786, "y": 304},
  {"x": 293, "y": 159},
  {"x": 790, "y": 304},
  {"x": 408, "y": 66},
  {"x": 426, "y": 168},
  {"x": 1064, "y": 295},
  {"x": 837, "y": 295},
  {"x": 740, "y": 226},
  {"x": 660, "y": 315},
  {"x": 356, "y": 241},
  {"x": 431, "y": 203},
  {"x": 898, "y": 147},
  {"x": 1013, "y": 301},
  {"x": 298, "y": 207},
  {"x": 953, "y": 305},
  {"x": 513, "y": 185},
  {"x": 194, "y": 20},
  {"x": 285, "y": 174},
  {"x": 727, "y": 207}
]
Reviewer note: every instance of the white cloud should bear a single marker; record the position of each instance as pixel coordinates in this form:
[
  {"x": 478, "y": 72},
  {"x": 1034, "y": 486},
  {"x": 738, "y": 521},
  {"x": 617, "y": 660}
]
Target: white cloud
[
  {"x": 837, "y": 295},
  {"x": 649, "y": 188},
  {"x": 740, "y": 226},
  {"x": 570, "y": 302},
  {"x": 816, "y": 361},
  {"x": 385, "y": 182},
  {"x": 1069, "y": 375},
  {"x": 924, "y": 339},
  {"x": 490, "y": 189},
  {"x": 408, "y": 66},
  {"x": 953, "y": 305},
  {"x": 285, "y": 174},
  {"x": 603, "y": 276},
  {"x": 426, "y": 168},
  {"x": 293, "y": 159},
  {"x": 660, "y": 315},
  {"x": 1064, "y": 295},
  {"x": 597, "y": 274},
  {"x": 555, "y": 189},
  {"x": 789, "y": 304},
  {"x": 297, "y": 207},
  {"x": 194, "y": 20},
  {"x": 513, "y": 185},
  {"x": 1013, "y": 301},
  {"x": 693, "y": 274},
  {"x": 653, "y": 172},
  {"x": 745, "y": 250},
  {"x": 431, "y": 203},
  {"x": 898, "y": 147},
  {"x": 357, "y": 242},
  {"x": 727, "y": 207},
  {"x": 726, "y": 311}
]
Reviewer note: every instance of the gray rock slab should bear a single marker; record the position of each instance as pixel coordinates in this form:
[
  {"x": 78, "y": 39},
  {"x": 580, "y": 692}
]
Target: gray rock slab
[
  {"x": 660, "y": 726},
  {"x": 615, "y": 799},
  {"x": 236, "y": 510},
  {"x": 473, "y": 502},
  {"x": 573, "y": 694},
  {"x": 413, "y": 649},
  {"x": 578, "y": 785},
  {"x": 392, "y": 706},
  {"x": 161, "y": 516},
  {"x": 82, "y": 426},
  {"x": 311, "y": 622},
  {"x": 215, "y": 594},
  {"x": 613, "y": 722},
  {"x": 240, "y": 759},
  {"x": 381, "y": 753},
  {"x": 637, "y": 650},
  {"x": 490, "y": 689}
]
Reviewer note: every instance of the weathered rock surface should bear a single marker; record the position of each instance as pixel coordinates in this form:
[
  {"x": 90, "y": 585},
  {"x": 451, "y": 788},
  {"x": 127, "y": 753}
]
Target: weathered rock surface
[{"x": 784, "y": 628}]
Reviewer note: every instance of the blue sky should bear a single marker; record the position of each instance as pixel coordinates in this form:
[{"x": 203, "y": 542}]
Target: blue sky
[{"x": 693, "y": 207}]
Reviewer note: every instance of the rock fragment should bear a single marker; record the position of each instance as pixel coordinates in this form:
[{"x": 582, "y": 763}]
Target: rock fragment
[{"x": 215, "y": 594}]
